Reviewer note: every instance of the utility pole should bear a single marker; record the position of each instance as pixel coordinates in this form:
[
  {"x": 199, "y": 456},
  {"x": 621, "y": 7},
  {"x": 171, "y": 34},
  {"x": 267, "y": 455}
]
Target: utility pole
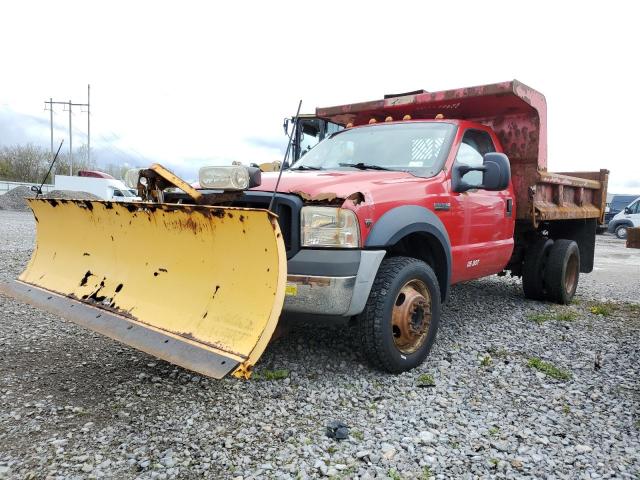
[
  {"x": 70, "y": 106},
  {"x": 70, "y": 142},
  {"x": 88, "y": 124},
  {"x": 51, "y": 121}
]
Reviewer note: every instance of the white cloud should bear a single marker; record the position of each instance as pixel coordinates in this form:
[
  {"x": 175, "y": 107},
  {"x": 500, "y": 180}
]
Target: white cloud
[{"x": 189, "y": 81}]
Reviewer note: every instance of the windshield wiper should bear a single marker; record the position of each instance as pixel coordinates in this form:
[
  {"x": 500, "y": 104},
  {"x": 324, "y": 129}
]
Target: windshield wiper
[
  {"x": 364, "y": 166},
  {"x": 305, "y": 167}
]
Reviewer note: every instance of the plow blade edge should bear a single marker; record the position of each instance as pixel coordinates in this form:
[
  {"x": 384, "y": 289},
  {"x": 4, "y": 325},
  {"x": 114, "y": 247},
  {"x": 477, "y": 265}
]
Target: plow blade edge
[{"x": 199, "y": 286}]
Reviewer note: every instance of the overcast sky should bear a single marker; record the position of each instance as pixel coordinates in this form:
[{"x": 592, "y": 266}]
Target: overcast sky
[{"x": 191, "y": 83}]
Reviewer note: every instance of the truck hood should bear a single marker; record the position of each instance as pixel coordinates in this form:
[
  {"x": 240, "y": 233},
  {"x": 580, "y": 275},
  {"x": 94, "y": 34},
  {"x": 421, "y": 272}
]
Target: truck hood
[{"x": 329, "y": 185}]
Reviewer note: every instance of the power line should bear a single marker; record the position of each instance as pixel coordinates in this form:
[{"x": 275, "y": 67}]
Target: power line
[{"x": 70, "y": 105}]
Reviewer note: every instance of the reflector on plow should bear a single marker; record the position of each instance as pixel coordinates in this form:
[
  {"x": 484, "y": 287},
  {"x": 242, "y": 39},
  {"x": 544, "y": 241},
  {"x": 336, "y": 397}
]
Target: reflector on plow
[{"x": 199, "y": 286}]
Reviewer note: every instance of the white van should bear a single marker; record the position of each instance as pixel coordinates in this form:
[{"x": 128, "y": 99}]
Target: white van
[
  {"x": 627, "y": 218},
  {"x": 105, "y": 188}
]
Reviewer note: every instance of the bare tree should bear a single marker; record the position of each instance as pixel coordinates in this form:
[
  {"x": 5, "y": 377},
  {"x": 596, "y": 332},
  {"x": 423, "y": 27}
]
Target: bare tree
[{"x": 29, "y": 163}]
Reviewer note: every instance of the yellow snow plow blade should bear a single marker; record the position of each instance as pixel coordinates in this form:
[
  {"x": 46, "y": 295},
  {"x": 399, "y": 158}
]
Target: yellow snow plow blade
[{"x": 199, "y": 286}]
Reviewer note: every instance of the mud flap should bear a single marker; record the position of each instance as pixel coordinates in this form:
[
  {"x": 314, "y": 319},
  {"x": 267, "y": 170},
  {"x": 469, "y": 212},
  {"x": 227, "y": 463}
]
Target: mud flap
[{"x": 198, "y": 286}]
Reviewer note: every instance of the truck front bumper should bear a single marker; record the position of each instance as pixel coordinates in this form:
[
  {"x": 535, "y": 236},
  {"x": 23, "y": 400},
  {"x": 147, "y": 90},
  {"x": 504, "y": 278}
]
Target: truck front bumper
[{"x": 327, "y": 282}]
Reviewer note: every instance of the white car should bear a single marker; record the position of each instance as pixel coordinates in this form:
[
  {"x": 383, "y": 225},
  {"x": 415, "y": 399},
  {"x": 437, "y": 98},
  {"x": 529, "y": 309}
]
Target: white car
[{"x": 627, "y": 218}]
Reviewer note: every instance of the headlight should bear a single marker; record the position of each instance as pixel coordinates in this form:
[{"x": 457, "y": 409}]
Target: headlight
[
  {"x": 235, "y": 177},
  {"x": 329, "y": 227}
]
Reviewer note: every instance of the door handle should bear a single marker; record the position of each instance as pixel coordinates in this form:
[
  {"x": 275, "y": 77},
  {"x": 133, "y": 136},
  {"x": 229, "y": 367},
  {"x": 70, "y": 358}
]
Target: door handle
[{"x": 509, "y": 207}]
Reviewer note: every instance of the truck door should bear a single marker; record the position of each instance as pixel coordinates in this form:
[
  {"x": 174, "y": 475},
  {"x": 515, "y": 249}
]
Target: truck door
[{"x": 485, "y": 219}]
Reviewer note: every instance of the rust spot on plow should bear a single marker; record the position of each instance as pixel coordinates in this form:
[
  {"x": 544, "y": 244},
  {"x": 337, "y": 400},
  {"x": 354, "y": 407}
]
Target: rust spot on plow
[
  {"x": 84, "y": 280},
  {"x": 52, "y": 202},
  {"x": 163, "y": 270},
  {"x": 217, "y": 346}
]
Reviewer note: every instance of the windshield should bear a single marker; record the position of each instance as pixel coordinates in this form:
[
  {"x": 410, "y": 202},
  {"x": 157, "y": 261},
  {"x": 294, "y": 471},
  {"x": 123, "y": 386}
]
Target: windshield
[{"x": 419, "y": 148}]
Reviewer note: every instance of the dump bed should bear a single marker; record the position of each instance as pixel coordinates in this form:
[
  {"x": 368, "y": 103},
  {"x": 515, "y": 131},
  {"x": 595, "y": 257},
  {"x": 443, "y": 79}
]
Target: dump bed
[{"x": 518, "y": 115}]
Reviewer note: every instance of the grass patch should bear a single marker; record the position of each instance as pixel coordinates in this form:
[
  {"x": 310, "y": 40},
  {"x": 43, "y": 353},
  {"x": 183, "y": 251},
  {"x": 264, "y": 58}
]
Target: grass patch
[
  {"x": 279, "y": 374},
  {"x": 540, "y": 318},
  {"x": 566, "y": 316},
  {"x": 427, "y": 474},
  {"x": 549, "y": 369},
  {"x": 560, "y": 316},
  {"x": 357, "y": 434},
  {"x": 493, "y": 431},
  {"x": 498, "y": 352},
  {"x": 393, "y": 475},
  {"x": 426, "y": 380},
  {"x": 486, "y": 361},
  {"x": 603, "y": 309}
]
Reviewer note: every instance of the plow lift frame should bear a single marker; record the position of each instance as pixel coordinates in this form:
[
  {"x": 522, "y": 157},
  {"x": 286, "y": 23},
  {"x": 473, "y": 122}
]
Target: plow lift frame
[{"x": 161, "y": 277}]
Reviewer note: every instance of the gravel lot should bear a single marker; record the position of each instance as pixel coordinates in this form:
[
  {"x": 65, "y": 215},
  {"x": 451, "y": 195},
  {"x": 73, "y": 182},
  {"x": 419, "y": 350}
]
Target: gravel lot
[{"x": 74, "y": 404}]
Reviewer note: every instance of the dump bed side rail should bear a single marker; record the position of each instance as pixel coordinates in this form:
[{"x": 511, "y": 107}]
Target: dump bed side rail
[{"x": 560, "y": 196}]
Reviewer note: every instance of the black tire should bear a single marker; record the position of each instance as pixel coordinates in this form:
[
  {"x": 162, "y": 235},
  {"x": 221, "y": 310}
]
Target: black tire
[
  {"x": 533, "y": 268},
  {"x": 563, "y": 271},
  {"x": 377, "y": 334},
  {"x": 621, "y": 231}
]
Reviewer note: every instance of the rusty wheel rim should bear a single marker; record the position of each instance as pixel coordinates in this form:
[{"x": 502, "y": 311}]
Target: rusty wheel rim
[
  {"x": 411, "y": 316},
  {"x": 571, "y": 274}
]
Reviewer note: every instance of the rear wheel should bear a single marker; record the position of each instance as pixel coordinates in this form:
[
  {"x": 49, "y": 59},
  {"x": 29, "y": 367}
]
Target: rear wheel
[
  {"x": 399, "y": 323},
  {"x": 621, "y": 231},
  {"x": 563, "y": 271},
  {"x": 535, "y": 261}
]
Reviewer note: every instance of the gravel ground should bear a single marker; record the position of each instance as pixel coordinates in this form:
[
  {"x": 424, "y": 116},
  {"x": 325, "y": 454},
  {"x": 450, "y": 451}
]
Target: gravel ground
[
  {"x": 74, "y": 404},
  {"x": 14, "y": 199}
]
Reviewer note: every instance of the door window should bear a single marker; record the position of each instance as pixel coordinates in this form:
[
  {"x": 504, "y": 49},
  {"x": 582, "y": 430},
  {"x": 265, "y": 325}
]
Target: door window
[{"x": 475, "y": 143}]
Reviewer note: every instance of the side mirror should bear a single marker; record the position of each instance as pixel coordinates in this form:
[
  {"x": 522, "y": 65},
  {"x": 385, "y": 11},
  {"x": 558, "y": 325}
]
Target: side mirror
[
  {"x": 496, "y": 174},
  {"x": 627, "y": 210}
]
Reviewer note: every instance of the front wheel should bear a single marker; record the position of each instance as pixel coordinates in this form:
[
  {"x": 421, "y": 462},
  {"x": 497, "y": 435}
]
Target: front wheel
[{"x": 399, "y": 322}]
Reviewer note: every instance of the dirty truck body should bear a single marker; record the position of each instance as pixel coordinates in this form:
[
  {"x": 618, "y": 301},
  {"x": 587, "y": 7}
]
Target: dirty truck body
[{"x": 404, "y": 197}]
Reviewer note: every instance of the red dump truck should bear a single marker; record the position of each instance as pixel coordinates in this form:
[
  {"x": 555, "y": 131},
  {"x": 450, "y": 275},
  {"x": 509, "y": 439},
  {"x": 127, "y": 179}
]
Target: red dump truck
[
  {"x": 444, "y": 187},
  {"x": 405, "y": 197}
]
